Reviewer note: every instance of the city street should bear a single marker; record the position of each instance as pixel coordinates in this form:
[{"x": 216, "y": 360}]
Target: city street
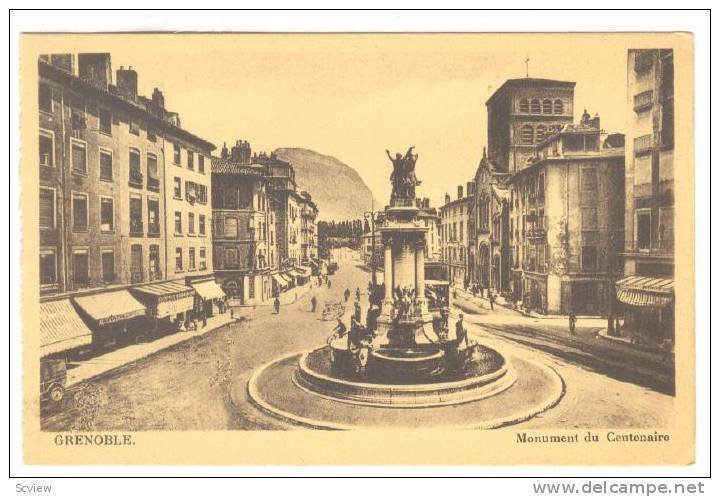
[{"x": 186, "y": 386}]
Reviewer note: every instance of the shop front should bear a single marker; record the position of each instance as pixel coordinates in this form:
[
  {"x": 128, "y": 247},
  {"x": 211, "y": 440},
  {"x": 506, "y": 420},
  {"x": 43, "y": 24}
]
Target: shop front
[
  {"x": 535, "y": 291},
  {"x": 209, "y": 297},
  {"x": 169, "y": 304},
  {"x": 646, "y": 308},
  {"x": 117, "y": 316},
  {"x": 303, "y": 273},
  {"x": 279, "y": 284}
]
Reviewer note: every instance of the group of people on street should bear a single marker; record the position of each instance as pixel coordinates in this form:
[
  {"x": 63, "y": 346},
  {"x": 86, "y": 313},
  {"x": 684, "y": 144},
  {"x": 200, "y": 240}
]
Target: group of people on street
[
  {"x": 477, "y": 289},
  {"x": 321, "y": 279}
]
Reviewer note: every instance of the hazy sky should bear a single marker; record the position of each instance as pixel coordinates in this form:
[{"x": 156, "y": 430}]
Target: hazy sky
[{"x": 354, "y": 96}]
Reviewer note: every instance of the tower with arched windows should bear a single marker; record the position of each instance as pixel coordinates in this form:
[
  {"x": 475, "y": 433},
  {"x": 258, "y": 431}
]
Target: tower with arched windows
[{"x": 521, "y": 114}]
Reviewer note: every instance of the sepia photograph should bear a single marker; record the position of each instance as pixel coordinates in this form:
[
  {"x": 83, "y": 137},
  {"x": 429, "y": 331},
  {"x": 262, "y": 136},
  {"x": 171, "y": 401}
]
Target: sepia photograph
[{"x": 411, "y": 240}]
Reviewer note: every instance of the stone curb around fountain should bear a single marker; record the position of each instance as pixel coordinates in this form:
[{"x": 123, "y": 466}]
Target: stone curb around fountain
[
  {"x": 445, "y": 393},
  {"x": 255, "y": 398},
  {"x": 557, "y": 392}
]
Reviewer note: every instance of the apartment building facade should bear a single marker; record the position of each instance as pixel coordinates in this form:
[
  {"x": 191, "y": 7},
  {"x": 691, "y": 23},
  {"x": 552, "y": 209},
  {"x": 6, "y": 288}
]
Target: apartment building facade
[
  {"x": 646, "y": 294},
  {"x": 104, "y": 244},
  {"x": 566, "y": 213},
  {"x": 455, "y": 236}
]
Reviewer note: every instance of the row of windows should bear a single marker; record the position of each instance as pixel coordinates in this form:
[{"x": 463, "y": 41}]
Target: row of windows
[
  {"x": 80, "y": 213},
  {"x": 179, "y": 262},
  {"x": 80, "y": 265},
  {"x": 79, "y": 161},
  {"x": 190, "y": 155},
  {"x": 78, "y": 115},
  {"x": 536, "y": 258},
  {"x": 232, "y": 259},
  {"x": 530, "y": 134},
  {"x": 190, "y": 223},
  {"x": 105, "y": 126},
  {"x": 194, "y": 192},
  {"x": 536, "y": 106},
  {"x": 230, "y": 227},
  {"x": 450, "y": 233}
]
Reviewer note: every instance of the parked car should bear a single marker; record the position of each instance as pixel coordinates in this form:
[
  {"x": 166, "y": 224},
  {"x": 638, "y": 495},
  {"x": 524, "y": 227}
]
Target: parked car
[
  {"x": 53, "y": 376},
  {"x": 333, "y": 267}
]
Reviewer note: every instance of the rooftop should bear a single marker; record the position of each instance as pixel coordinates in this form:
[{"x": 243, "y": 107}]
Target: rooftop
[
  {"x": 530, "y": 83},
  {"x": 143, "y": 105}
]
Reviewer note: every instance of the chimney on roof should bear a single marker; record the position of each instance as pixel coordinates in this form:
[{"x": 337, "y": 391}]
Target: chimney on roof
[
  {"x": 241, "y": 152},
  {"x": 127, "y": 83},
  {"x": 96, "y": 69},
  {"x": 470, "y": 188},
  {"x": 63, "y": 61},
  {"x": 595, "y": 121},
  {"x": 224, "y": 151},
  {"x": 158, "y": 99},
  {"x": 460, "y": 191},
  {"x": 585, "y": 119},
  {"x": 447, "y": 198}
]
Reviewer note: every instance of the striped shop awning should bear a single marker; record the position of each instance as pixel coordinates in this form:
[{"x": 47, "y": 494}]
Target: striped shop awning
[
  {"x": 208, "y": 290},
  {"x": 61, "y": 328},
  {"x": 110, "y": 307},
  {"x": 281, "y": 282},
  {"x": 166, "y": 299},
  {"x": 642, "y": 291}
]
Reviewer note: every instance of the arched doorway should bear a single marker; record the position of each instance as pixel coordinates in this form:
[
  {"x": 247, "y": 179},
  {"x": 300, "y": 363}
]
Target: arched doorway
[
  {"x": 484, "y": 257},
  {"x": 233, "y": 289},
  {"x": 497, "y": 283}
]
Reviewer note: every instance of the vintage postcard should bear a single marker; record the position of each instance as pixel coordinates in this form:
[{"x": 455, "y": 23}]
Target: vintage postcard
[{"x": 321, "y": 249}]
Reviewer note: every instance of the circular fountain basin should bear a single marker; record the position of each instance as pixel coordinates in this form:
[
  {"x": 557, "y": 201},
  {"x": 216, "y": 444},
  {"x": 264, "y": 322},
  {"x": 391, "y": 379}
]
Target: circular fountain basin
[
  {"x": 315, "y": 375},
  {"x": 406, "y": 365}
]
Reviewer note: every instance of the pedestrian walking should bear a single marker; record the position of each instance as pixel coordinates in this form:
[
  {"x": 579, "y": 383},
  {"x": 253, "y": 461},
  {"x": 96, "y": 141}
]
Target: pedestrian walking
[
  {"x": 276, "y": 303},
  {"x": 572, "y": 319},
  {"x": 313, "y": 303},
  {"x": 357, "y": 294},
  {"x": 491, "y": 299},
  {"x": 460, "y": 332},
  {"x": 328, "y": 283},
  {"x": 346, "y": 293}
]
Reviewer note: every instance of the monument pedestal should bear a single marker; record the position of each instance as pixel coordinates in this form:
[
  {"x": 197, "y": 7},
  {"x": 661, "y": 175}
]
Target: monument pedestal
[{"x": 403, "y": 237}]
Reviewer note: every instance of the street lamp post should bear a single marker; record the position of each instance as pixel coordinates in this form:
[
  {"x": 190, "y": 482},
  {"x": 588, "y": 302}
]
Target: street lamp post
[
  {"x": 373, "y": 216},
  {"x": 611, "y": 285}
]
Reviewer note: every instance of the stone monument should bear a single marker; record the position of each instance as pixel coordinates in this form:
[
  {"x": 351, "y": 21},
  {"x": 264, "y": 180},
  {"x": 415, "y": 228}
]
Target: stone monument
[{"x": 404, "y": 320}]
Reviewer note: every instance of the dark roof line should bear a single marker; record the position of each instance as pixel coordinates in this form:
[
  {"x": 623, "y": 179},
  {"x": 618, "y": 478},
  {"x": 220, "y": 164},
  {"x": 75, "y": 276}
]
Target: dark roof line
[
  {"x": 60, "y": 75},
  {"x": 527, "y": 82}
]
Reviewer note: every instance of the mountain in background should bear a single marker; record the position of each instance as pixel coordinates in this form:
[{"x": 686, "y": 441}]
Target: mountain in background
[{"x": 336, "y": 188}]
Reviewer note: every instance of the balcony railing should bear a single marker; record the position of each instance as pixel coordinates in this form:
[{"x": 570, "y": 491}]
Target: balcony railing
[
  {"x": 153, "y": 184},
  {"x": 154, "y": 274},
  {"x": 643, "y": 101},
  {"x": 136, "y": 227},
  {"x": 153, "y": 230},
  {"x": 536, "y": 233},
  {"x": 136, "y": 178},
  {"x": 642, "y": 144},
  {"x": 137, "y": 276}
]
